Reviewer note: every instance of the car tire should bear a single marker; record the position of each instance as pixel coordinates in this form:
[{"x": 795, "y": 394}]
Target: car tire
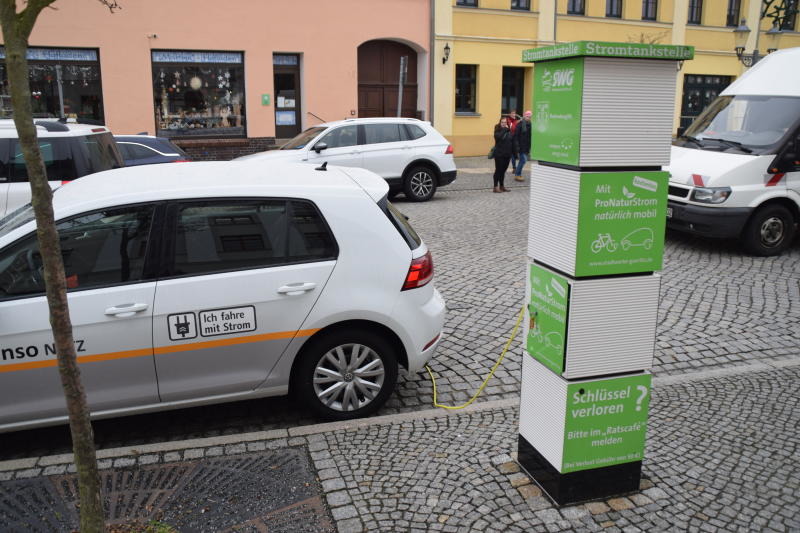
[
  {"x": 769, "y": 231},
  {"x": 362, "y": 387},
  {"x": 419, "y": 184}
]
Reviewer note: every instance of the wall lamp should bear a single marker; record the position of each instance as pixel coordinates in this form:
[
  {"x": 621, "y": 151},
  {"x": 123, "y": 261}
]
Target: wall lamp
[
  {"x": 446, "y": 53},
  {"x": 740, "y": 37}
]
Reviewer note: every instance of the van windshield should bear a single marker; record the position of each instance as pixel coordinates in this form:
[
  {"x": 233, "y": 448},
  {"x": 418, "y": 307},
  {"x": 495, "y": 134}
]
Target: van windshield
[
  {"x": 302, "y": 139},
  {"x": 744, "y": 124}
]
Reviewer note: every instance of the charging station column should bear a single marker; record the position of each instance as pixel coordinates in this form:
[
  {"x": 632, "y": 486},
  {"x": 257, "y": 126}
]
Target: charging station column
[{"x": 601, "y": 132}]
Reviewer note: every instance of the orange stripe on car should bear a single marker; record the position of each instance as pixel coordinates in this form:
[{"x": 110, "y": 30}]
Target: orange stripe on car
[{"x": 174, "y": 348}]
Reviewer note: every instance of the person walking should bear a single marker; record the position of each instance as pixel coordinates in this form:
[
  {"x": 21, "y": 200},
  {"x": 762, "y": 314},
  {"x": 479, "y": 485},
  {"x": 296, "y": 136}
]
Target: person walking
[
  {"x": 522, "y": 133},
  {"x": 504, "y": 148}
]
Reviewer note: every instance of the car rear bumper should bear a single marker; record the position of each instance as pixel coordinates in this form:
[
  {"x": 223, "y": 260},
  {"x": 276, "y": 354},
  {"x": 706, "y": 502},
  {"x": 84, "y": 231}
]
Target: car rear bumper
[
  {"x": 716, "y": 222},
  {"x": 423, "y": 322},
  {"x": 447, "y": 178}
]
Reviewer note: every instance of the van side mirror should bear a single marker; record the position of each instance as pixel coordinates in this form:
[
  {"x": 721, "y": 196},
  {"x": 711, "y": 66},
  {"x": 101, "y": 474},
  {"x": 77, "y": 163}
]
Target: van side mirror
[{"x": 320, "y": 147}]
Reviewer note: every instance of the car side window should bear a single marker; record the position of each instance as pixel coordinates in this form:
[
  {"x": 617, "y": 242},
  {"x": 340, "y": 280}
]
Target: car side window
[
  {"x": 382, "y": 133},
  {"x": 341, "y": 137},
  {"x": 56, "y": 154},
  {"x": 135, "y": 151},
  {"x": 413, "y": 132},
  {"x": 100, "y": 248},
  {"x": 219, "y": 236}
]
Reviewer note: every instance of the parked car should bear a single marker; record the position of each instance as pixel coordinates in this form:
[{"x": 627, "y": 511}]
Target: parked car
[
  {"x": 735, "y": 173},
  {"x": 69, "y": 151},
  {"x": 214, "y": 282},
  {"x": 409, "y": 154},
  {"x": 148, "y": 150}
]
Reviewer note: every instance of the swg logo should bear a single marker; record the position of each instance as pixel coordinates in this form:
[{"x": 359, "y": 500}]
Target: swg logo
[{"x": 558, "y": 79}]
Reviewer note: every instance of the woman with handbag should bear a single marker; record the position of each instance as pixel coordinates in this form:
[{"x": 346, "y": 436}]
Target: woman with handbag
[{"x": 504, "y": 148}]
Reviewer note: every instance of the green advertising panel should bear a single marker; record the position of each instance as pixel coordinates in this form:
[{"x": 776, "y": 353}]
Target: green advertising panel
[
  {"x": 621, "y": 222},
  {"x": 558, "y": 90},
  {"x": 606, "y": 422},
  {"x": 608, "y": 49},
  {"x": 547, "y": 314}
]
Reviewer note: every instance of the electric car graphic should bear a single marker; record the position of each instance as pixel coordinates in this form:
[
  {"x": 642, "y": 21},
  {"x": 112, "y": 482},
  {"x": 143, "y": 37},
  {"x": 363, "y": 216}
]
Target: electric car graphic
[{"x": 639, "y": 237}]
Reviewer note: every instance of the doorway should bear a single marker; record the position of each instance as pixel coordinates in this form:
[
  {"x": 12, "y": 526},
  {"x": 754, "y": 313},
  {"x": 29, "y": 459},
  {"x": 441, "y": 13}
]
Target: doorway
[
  {"x": 513, "y": 91},
  {"x": 379, "y": 78},
  {"x": 286, "y": 79}
]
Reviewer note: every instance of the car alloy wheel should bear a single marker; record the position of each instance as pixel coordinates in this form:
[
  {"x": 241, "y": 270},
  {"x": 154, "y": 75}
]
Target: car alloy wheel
[
  {"x": 348, "y": 377},
  {"x": 420, "y": 184}
]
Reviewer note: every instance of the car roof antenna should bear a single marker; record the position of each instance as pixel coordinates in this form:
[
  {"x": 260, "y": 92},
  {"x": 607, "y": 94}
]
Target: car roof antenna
[{"x": 323, "y": 166}]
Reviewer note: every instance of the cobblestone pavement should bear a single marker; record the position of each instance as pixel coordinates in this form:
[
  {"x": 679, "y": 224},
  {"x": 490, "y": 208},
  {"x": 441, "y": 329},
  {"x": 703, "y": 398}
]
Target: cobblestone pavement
[
  {"x": 719, "y": 308},
  {"x": 722, "y": 455}
]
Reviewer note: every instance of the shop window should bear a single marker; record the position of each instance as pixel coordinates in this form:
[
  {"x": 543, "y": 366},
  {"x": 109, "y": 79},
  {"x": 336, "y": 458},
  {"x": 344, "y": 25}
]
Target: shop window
[
  {"x": 56, "y": 76},
  {"x": 466, "y": 88},
  {"x": 695, "y": 12},
  {"x": 734, "y": 7},
  {"x": 649, "y": 9},
  {"x": 614, "y": 8},
  {"x": 576, "y": 7},
  {"x": 199, "y": 94},
  {"x": 521, "y": 5}
]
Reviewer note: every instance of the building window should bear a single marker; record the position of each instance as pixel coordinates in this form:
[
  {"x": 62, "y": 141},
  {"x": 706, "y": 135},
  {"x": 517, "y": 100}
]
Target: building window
[
  {"x": 513, "y": 90},
  {"x": 198, "y": 93},
  {"x": 698, "y": 92},
  {"x": 614, "y": 8},
  {"x": 576, "y": 7},
  {"x": 649, "y": 9},
  {"x": 57, "y": 75},
  {"x": 468, "y": 3},
  {"x": 521, "y": 5},
  {"x": 790, "y": 18},
  {"x": 734, "y": 7},
  {"x": 466, "y": 88},
  {"x": 695, "y": 12}
]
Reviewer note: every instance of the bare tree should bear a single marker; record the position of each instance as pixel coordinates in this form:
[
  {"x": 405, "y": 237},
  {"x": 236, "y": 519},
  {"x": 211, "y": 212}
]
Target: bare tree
[
  {"x": 647, "y": 38},
  {"x": 17, "y": 27}
]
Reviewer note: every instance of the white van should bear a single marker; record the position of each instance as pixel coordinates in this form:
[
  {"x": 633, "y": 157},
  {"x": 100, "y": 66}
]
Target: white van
[{"x": 735, "y": 173}]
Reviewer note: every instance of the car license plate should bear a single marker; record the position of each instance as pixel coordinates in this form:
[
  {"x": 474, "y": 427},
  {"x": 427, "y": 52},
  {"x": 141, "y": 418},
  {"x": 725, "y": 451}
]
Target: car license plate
[{"x": 669, "y": 212}]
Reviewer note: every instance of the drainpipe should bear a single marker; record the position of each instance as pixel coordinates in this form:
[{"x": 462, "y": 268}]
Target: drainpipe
[{"x": 431, "y": 63}]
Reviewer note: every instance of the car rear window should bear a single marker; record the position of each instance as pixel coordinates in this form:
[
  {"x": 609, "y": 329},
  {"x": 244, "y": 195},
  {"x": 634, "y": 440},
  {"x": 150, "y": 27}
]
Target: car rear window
[
  {"x": 400, "y": 221},
  {"x": 103, "y": 154}
]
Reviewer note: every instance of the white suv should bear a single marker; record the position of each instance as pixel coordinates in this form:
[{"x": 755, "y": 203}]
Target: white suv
[
  {"x": 69, "y": 151},
  {"x": 212, "y": 282},
  {"x": 408, "y": 153}
]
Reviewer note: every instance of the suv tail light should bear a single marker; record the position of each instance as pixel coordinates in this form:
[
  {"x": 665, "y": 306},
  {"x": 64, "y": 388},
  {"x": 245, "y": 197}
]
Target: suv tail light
[
  {"x": 419, "y": 273},
  {"x": 449, "y": 149}
]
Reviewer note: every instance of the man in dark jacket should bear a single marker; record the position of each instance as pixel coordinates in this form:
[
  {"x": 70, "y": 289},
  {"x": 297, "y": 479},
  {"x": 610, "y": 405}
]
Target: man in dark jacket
[{"x": 522, "y": 133}]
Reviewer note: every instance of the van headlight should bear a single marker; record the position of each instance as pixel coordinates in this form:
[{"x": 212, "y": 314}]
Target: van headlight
[{"x": 711, "y": 195}]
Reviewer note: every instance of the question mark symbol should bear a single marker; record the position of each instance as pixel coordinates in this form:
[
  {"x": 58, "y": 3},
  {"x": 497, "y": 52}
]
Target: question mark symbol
[{"x": 642, "y": 393}]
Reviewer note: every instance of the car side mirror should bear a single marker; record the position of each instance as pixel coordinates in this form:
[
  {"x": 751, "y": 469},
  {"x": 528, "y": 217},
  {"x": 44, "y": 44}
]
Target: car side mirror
[{"x": 320, "y": 147}]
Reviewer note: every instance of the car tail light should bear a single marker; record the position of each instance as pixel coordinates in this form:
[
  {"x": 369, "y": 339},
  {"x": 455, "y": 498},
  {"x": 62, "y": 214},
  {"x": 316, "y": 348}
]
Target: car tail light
[
  {"x": 181, "y": 161},
  {"x": 449, "y": 149},
  {"x": 419, "y": 273},
  {"x": 64, "y": 182},
  {"x": 98, "y": 130}
]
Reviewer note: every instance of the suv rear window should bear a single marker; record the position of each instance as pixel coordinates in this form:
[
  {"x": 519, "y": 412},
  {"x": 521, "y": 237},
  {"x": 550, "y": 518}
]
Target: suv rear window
[
  {"x": 400, "y": 221},
  {"x": 103, "y": 154}
]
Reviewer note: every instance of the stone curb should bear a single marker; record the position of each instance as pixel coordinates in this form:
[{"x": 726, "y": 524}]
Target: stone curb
[{"x": 195, "y": 448}]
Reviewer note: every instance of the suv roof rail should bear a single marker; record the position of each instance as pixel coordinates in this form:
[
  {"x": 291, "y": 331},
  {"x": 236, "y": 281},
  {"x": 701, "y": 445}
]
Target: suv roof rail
[
  {"x": 51, "y": 125},
  {"x": 90, "y": 121}
]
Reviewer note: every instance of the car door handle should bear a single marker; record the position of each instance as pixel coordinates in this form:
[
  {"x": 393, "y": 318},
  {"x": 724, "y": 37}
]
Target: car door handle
[
  {"x": 125, "y": 310},
  {"x": 294, "y": 289}
]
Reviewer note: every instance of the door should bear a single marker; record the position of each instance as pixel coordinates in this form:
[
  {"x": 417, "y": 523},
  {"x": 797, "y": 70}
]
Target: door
[
  {"x": 244, "y": 275},
  {"x": 379, "y": 64},
  {"x": 513, "y": 91},
  {"x": 342, "y": 147},
  {"x": 386, "y": 150},
  {"x": 110, "y": 307},
  {"x": 286, "y": 78}
]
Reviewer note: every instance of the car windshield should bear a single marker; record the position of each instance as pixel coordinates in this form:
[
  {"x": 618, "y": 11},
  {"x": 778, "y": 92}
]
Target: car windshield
[
  {"x": 302, "y": 139},
  {"x": 15, "y": 219},
  {"x": 749, "y": 124}
]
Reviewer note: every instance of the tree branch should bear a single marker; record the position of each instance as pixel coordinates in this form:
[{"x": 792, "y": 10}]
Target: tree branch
[{"x": 27, "y": 17}]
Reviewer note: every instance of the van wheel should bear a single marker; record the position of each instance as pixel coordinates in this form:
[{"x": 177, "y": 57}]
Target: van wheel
[
  {"x": 769, "y": 232},
  {"x": 419, "y": 184},
  {"x": 346, "y": 374}
]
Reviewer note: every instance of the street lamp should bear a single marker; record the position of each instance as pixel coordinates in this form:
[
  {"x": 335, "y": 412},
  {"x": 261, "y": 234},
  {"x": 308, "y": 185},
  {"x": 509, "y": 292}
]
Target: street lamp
[{"x": 740, "y": 35}]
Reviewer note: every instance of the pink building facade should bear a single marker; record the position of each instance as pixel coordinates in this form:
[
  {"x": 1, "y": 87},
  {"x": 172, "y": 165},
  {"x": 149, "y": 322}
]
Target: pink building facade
[{"x": 224, "y": 78}]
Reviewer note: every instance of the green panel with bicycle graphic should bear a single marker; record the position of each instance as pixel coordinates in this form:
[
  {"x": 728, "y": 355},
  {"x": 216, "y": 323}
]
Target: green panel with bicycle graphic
[
  {"x": 547, "y": 318},
  {"x": 621, "y": 222}
]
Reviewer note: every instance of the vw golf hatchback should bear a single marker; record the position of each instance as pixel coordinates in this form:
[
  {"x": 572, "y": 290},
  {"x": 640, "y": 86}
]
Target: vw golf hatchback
[{"x": 213, "y": 282}]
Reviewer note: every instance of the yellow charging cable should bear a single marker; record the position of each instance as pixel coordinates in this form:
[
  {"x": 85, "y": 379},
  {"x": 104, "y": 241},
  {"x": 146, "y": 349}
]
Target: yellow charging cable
[{"x": 485, "y": 381}]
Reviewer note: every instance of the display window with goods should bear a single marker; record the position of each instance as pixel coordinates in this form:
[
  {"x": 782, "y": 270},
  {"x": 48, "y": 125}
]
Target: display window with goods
[
  {"x": 64, "y": 82},
  {"x": 198, "y": 94}
]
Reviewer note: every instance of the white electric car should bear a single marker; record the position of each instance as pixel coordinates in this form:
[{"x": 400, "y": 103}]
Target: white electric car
[{"x": 212, "y": 282}]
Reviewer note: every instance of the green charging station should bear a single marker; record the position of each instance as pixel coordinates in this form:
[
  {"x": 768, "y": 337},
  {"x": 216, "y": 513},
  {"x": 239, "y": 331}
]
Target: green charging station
[{"x": 602, "y": 127}]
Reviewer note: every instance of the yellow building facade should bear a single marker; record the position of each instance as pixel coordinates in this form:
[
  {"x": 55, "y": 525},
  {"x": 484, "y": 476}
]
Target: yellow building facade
[{"x": 478, "y": 72}]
